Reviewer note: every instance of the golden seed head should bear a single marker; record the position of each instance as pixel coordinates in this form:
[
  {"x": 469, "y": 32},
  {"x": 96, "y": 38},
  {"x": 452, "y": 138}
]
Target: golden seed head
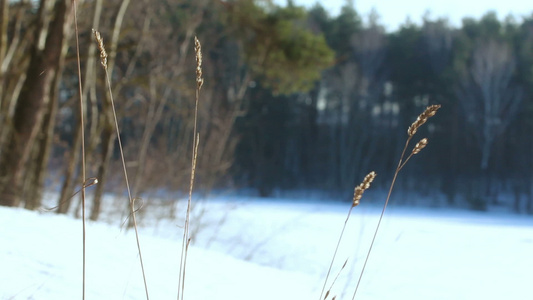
[
  {"x": 357, "y": 195},
  {"x": 420, "y": 145},
  {"x": 360, "y": 189},
  {"x": 368, "y": 179},
  {"x": 198, "y": 51},
  {"x": 103, "y": 53},
  {"x": 422, "y": 118}
]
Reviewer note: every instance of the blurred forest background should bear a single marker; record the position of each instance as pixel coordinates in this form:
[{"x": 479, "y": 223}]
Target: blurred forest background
[{"x": 294, "y": 99}]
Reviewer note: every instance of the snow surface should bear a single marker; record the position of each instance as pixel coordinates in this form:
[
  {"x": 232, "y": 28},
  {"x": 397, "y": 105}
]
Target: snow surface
[{"x": 251, "y": 249}]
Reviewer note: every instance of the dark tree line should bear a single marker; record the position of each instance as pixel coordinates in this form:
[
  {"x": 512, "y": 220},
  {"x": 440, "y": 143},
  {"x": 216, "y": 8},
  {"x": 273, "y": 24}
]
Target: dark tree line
[
  {"x": 355, "y": 117},
  {"x": 294, "y": 99}
]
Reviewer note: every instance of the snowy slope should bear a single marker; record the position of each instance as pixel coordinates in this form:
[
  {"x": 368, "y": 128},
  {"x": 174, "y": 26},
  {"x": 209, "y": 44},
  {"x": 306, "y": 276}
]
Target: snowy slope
[{"x": 272, "y": 250}]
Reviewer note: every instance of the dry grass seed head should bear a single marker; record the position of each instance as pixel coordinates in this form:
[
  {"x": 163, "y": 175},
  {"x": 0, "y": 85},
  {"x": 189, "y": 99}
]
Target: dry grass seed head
[
  {"x": 420, "y": 145},
  {"x": 360, "y": 189},
  {"x": 103, "y": 53},
  {"x": 422, "y": 118},
  {"x": 198, "y": 51}
]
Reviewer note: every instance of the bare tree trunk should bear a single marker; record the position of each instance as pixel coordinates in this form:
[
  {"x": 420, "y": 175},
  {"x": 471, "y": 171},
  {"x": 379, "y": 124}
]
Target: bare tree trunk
[
  {"x": 4, "y": 13},
  {"x": 152, "y": 118},
  {"x": 529, "y": 196},
  {"x": 35, "y": 191},
  {"x": 155, "y": 110},
  {"x": 488, "y": 93},
  {"x": 13, "y": 65},
  {"x": 486, "y": 148},
  {"x": 67, "y": 188},
  {"x": 31, "y": 103},
  {"x": 6, "y": 113},
  {"x": 360, "y": 84},
  {"x": 227, "y": 124},
  {"x": 108, "y": 145}
]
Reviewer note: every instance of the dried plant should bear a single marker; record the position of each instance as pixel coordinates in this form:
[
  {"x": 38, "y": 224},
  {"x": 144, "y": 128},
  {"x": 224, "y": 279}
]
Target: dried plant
[
  {"x": 196, "y": 138},
  {"x": 357, "y": 195},
  {"x": 198, "y": 51},
  {"x": 422, "y": 118},
  {"x": 83, "y": 166},
  {"x": 360, "y": 189},
  {"x": 420, "y": 145},
  {"x": 101, "y": 48},
  {"x": 103, "y": 58}
]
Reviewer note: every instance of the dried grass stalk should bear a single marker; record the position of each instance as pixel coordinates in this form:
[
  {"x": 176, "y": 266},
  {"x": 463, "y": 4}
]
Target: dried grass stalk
[
  {"x": 360, "y": 189},
  {"x": 358, "y": 193},
  {"x": 422, "y": 118},
  {"x": 420, "y": 145},
  {"x": 196, "y": 138},
  {"x": 198, "y": 51},
  {"x": 103, "y": 60},
  {"x": 101, "y": 47},
  {"x": 83, "y": 158}
]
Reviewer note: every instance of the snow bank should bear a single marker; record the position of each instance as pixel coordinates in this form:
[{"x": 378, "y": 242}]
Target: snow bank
[{"x": 272, "y": 250}]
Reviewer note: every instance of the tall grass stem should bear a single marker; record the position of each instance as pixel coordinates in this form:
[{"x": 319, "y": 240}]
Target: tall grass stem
[
  {"x": 132, "y": 203},
  {"x": 381, "y": 217},
  {"x": 335, "y": 252},
  {"x": 103, "y": 60},
  {"x": 194, "y": 158},
  {"x": 429, "y": 112},
  {"x": 82, "y": 128}
]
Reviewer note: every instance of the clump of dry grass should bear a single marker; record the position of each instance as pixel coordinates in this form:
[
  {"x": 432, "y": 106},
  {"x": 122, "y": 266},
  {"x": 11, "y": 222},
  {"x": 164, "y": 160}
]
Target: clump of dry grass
[
  {"x": 411, "y": 131},
  {"x": 133, "y": 210},
  {"x": 361, "y": 188}
]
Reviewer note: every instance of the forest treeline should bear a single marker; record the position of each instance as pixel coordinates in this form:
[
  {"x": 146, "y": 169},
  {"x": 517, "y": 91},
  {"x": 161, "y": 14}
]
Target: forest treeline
[{"x": 293, "y": 99}]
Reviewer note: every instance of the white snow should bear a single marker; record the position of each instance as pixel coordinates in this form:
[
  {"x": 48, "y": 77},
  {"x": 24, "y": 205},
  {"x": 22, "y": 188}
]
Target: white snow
[{"x": 252, "y": 249}]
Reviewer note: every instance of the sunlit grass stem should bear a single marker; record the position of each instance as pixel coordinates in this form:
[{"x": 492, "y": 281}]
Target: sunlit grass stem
[
  {"x": 196, "y": 140},
  {"x": 82, "y": 126},
  {"x": 103, "y": 60},
  {"x": 422, "y": 118},
  {"x": 357, "y": 195}
]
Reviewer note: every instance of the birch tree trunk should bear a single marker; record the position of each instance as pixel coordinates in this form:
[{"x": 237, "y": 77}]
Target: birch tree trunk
[{"x": 488, "y": 95}]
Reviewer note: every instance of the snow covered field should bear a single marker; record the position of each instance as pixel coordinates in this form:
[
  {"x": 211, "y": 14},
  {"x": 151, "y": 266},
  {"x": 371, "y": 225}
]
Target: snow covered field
[{"x": 251, "y": 249}]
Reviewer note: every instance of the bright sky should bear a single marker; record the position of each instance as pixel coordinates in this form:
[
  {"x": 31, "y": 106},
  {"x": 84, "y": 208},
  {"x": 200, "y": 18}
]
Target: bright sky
[{"x": 394, "y": 12}]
